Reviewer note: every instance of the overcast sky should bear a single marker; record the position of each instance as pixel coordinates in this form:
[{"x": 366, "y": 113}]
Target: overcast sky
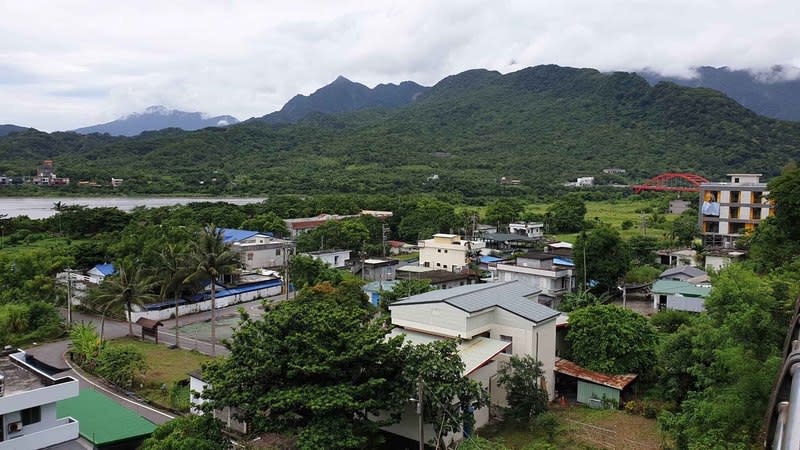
[{"x": 66, "y": 64}]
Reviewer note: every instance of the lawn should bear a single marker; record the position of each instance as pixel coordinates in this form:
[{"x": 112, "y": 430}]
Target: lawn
[
  {"x": 166, "y": 368},
  {"x": 583, "y": 428},
  {"x": 48, "y": 243}
]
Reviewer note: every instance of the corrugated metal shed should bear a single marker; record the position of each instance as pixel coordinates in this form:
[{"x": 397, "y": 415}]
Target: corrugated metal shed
[
  {"x": 567, "y": 367},
  {"x": 511, "y": 296},
  {"x": 671, "y": 287}
]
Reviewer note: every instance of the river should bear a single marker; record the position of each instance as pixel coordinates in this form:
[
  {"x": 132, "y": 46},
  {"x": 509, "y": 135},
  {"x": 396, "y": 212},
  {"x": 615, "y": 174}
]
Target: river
[{"x": 42, "y": 207}]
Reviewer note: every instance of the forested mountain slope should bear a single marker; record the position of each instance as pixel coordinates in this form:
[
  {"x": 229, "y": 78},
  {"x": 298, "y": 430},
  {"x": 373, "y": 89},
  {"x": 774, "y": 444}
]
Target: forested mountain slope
[{"x": 543, "y": 125}]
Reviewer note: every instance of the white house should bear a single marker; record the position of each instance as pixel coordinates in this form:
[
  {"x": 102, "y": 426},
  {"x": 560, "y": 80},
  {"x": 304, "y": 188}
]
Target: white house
[
  {"x": 334, "y": 258},
  {"x": 447, "y": 251},
  {"x": 28, "y": 399},
  {"x": 679, "y": 295},
  {"x": 100, "y": 271},
  {"x": 530, "y": 229},
  {"x": 552, "y": 274},
  {"x": 491, "y": 321},
  {"x": 258, "y": 250}
]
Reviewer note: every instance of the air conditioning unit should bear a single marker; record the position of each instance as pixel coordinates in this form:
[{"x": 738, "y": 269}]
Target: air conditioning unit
[{"x": 15, "y": 427}]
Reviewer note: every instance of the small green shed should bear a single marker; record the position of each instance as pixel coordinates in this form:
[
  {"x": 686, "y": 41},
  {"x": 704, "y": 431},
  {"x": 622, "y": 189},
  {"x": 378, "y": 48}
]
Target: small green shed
[{"x": 594, "y": 387}]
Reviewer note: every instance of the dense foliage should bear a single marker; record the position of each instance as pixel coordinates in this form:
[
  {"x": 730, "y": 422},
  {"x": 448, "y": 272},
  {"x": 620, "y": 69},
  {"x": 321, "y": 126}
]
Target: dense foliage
[
  {"x": 611, "y": 339},
  {"x": 526, "y": 397},
  {"x": 189, "y": 432},
  {"x": 602, "y": 258}
]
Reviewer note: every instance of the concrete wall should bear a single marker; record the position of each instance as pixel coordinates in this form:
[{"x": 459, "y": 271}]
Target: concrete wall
[
  {"x": 221, "y": 302},
  {"x": 438, "y": 257}
]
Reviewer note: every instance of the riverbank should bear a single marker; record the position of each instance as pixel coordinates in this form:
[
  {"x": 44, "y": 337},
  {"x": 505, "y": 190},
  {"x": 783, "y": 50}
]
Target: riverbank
[{"x": 43, "y": 207}]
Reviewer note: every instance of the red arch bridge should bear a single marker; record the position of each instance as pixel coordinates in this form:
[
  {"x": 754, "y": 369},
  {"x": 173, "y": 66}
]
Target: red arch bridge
[{"x": 672, "y": 181}]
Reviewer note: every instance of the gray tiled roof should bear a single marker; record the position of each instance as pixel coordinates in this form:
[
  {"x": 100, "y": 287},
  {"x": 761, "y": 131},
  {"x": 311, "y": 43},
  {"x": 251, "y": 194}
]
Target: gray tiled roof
[{"x": 510, "y": 296}]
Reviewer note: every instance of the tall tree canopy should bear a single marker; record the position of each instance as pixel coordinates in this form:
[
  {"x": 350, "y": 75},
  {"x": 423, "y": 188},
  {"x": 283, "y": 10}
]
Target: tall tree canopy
[
  {"x": 611, "y": 339},
  {"x": 566, "y": 214},
  {"x": 606, "y": 256},
  {"x": 315, "y": 368}
]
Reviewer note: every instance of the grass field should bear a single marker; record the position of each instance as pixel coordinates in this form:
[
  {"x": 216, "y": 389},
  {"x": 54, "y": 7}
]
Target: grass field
[
  {"x": 582, "y": 428},
  {"x": 49, "y": 243},
  {"x": 166, "y": 367}
]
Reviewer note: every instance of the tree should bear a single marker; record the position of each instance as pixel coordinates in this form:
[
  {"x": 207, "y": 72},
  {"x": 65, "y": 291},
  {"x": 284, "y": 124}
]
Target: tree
[
  {"x": 129, "y": 286},
  {"x": 449, "y": 397},
  {"x": 503, "y": 211},
  {"x": 566, "y": 215},
  {"x": 190, "y": 432},
  {"x": 85, "y": 343},
  {"x": 329, "y": 365},
  {"x": 211, "y": 258},
  {"x": 119, "y": 364},
  {"x": 776, "y": 241},
  {"x": 643, "y": 249},
  {"x": 403, "y": 289},
  {"x": 266, "y": 222},
  {"x": 581, "y": 299},
  {"x": 525, "y": 396},
  {"x": 427, "y": 218},
  {"x": 347, "y": 234},
  {"x": 684, "y": 227},
  {"x": 611, "y": 339},
  {"x": 173, "y": 269},
  {"x": 605, "y": 255},
  {"x": 305, "y": 271}
]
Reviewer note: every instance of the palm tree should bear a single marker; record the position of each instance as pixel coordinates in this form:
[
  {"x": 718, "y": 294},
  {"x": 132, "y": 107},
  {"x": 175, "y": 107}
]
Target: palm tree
[
  {"x": 130, "y": 285},
  {"x": 210, "y": 259},
  {"x": 173, "y": 269}
]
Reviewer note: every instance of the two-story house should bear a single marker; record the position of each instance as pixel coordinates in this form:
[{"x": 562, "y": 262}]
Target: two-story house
[
  {"x": 491, "y": 322},
  {"x": 28, "y": 397},
  {"x": 447, "y": 252},
  {"x": 258, "y": 250},
  {"x": 552, "y": 274}
]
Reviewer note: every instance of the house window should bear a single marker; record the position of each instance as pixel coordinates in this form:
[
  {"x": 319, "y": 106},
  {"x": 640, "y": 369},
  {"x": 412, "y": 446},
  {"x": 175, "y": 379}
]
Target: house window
[
  {"x": 735, "y": 196},
  {"x": 336, "y": 260},
  {"x": 278, "y": 252},
  {"x": 510, "y": 340},
  {"x": 249, "y": 256},
  {"x": 445, "y": 266},
  {"x": 438, "y": 265},
  {"x": 31, "y": 415},
  {"x": 445, "y": 251},
  {"x": 427, "y": 264},
  {"x": 439, "y": 250}
]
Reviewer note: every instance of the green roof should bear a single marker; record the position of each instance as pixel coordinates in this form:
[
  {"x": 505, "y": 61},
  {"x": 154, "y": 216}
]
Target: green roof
[
  {"x": 101, "y": 420},
  {"x": 679, "y": 287}
]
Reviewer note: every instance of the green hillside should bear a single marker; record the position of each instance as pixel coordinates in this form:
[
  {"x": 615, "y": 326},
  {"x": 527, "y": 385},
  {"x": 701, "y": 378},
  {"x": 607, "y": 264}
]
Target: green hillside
[{"x": 544, "y": 125}]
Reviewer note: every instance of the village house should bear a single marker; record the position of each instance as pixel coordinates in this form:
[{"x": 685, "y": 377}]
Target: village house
[
  {"x": 730, "y": 209},
  {"x": 679, "y": 295},
  {"x": 258, "y": 250},
  {"x": 338, "y": 259},
  {"x": 28, "y": 396},
  {"x": 552, "y": 274},
  {"x": 683, "y": 273},
  {"x": 529, "y": 229},
  {"x": 717, "y": 258},
  {"x": 676, "y": 257},
  {"x": 302, "y": 225},
  {"x": 375, "y": 269},
  {"x": 447, "y": 252},
  {"x": 97, "y": 273},
  {"x": 491, "y": 323},
  {"x": 439, "y": 279},
  {"x": 46, "y": 176},
  {"x": 400, "y": 247}
]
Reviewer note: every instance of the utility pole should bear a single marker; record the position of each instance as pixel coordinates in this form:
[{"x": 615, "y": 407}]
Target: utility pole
[
  {"x": 384, "y": 231},
  {"x": 69, "y": 297},
  {"x": 286, "y": 269},
  {"x": 419, "y": 414}
]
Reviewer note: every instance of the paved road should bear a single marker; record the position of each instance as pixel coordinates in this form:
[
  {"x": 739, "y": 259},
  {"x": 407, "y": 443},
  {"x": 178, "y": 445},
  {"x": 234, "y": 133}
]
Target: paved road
[{"x": 53, "y": 353}]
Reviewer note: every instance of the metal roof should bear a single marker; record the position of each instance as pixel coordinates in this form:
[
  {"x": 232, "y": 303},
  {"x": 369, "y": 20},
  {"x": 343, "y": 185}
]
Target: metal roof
[
  {"x": 511, "y": 296},
  {"x": 679, "y": 287},
  {"x": 567, "y": 367},
  {"x": 686, "y": 270},
  {"x": 106, "y": 269},
  {"x": 561, "y": 261},
  {"x": 103, "y": 421},
  {"x": 234, "y": 235},
  {"x": 474, "y": 352},
  {"x": 509, "y": 237}
]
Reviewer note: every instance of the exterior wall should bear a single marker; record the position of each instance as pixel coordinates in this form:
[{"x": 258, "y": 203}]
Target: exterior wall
[
  {"x": 226, "y": 415},
  {"x": 448, "y": 257},
  {"x": 742, "y": 205},
  {"x": 588, "y": 391},
  {"x": 435, "y": 318},
  {"x": 334, "y": 259},
  {"x": 264, "y": 255},
  {"x": 716, "y": 263},
  {"x": 680, "y": 303},
  {"x": 58, "y": 431},
  {"x": 221, "y": 302}
]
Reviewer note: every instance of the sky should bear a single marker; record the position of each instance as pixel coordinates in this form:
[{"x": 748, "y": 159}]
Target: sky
[{"x": 66, "y": 64}]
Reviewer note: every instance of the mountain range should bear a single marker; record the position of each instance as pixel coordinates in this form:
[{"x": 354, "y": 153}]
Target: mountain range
[
  {"x": 543, "y": 125},
  {"x": 8, "y": 128},
  {"x": 773, "y": 94},
  {"x": 158, "y": 118},
  {"x": 343, "y": 95}
]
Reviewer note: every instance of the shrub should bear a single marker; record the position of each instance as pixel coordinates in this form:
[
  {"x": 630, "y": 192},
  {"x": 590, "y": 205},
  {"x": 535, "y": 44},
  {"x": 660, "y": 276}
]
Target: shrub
[
  {"x": 669, "y": 321},
  {"x": 119, "y": 364}
]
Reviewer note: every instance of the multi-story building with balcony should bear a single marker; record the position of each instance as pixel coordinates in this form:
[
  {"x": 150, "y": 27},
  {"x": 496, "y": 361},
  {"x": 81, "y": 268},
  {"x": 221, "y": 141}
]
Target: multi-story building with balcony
[
  {"x": 552, "y": 274},
  {"x": 731, "y": 209},
  {"x": 28, "y": 399},
  {"x": 447, "y": 252}
]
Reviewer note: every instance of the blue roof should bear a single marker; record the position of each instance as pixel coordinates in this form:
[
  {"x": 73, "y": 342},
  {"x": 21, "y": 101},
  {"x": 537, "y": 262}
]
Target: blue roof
[
  {"x": 224, "y": 292},
  {"x": 490, "y": 259},
  {"x": 164, "y": 304},
  {"x": 561, "y": 261},
  {"x": 234, "y": 235},
  {"x": 106, "y": 269}
]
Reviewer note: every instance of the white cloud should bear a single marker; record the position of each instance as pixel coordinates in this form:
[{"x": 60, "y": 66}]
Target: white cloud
[{"x": 73, "y": 63}]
